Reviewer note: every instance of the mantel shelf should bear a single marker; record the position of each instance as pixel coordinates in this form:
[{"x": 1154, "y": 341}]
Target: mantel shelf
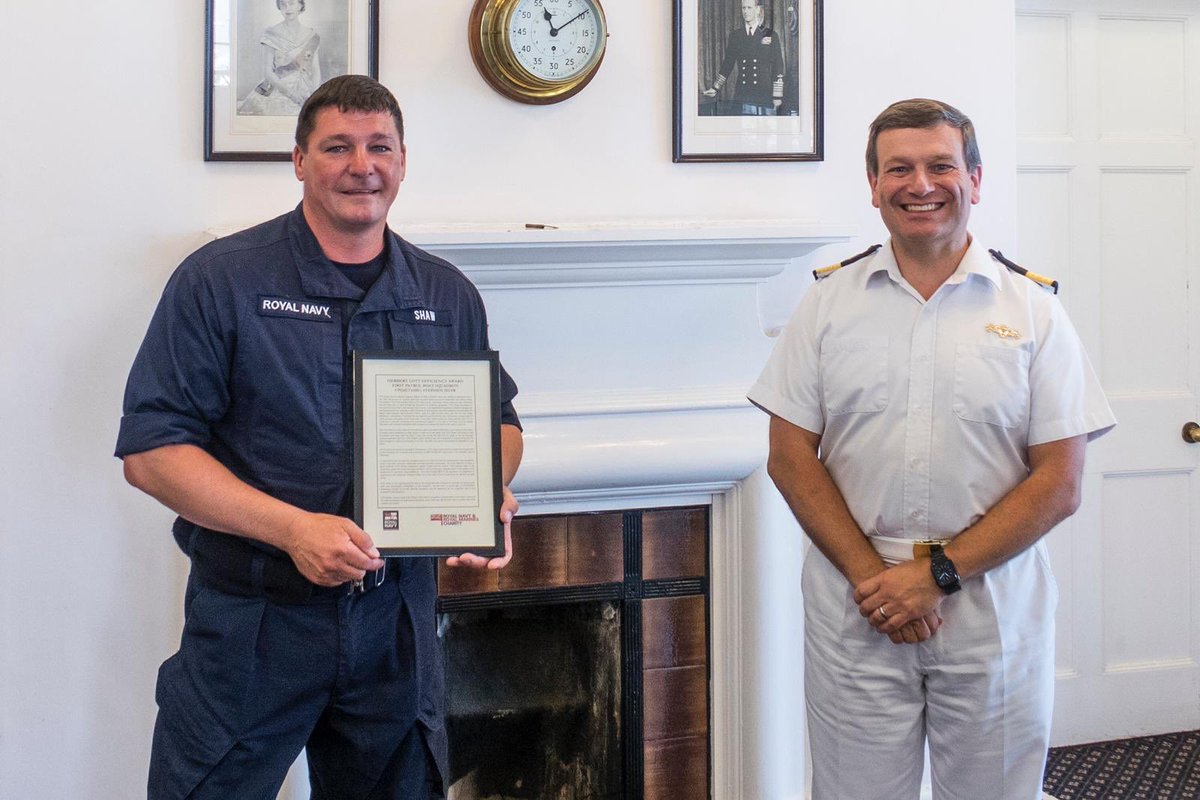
[
  {"x": 618, "y": 231},
  {"x": 646, "y": 251}
]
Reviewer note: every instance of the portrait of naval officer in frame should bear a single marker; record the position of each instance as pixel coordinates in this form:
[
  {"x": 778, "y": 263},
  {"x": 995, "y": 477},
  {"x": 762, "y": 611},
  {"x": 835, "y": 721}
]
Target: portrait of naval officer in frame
[{"x": 748, "y": 53}]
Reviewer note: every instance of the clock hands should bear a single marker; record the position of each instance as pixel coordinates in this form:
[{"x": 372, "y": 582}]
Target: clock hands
[{"x": 553, "y": 30}]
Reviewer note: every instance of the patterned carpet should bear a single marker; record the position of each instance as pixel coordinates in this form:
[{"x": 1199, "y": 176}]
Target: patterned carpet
[{"x": 1165, "y": 767}]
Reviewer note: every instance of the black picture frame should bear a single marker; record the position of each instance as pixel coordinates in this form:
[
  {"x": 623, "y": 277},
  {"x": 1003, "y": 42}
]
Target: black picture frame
[
  {"x": 743, "y": 117},
  {"x": 250, "y": 115},
  {"x": 428, "y": 477}
]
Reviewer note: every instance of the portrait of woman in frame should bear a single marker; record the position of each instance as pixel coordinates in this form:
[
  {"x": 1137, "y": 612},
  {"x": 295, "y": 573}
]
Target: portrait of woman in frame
[
  {"x": 290, "y": 55},
  {"x": 265, "y": 57}
]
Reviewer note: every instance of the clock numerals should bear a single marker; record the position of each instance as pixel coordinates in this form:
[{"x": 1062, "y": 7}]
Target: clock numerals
[{"x": 565, "y": 44}]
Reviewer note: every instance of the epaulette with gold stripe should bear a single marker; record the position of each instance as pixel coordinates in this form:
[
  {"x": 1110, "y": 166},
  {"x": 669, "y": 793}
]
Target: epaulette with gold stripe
[
  {"x": 1042, "y": 280},
  {"x": 825, "y": 272}
]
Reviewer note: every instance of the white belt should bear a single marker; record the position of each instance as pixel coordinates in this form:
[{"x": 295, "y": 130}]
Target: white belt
[{"x": 893, "y": 550}]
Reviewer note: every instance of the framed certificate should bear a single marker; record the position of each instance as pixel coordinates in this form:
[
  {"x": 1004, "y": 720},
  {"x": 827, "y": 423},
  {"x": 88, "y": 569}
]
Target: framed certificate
[{"x": 427, "y": 452}]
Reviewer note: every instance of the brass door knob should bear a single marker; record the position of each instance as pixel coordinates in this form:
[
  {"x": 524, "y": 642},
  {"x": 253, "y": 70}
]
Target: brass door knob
[{"x": 1191, "y": 433}]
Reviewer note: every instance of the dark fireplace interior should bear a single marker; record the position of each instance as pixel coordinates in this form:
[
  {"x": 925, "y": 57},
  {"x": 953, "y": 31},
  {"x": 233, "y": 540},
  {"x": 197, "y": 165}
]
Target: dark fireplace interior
[
  {"x": 536, "y": 712},
  {"x": 581, "y": 670}
]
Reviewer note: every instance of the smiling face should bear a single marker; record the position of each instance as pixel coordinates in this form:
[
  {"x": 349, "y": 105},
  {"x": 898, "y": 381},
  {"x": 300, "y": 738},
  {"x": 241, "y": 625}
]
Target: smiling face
[
  {"x": 924, "y": 190},
  {"x": 351, "y": 167}
]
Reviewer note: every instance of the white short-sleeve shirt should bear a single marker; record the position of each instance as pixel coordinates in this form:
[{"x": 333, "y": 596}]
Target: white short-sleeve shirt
[{"x": 926, "y": 409}]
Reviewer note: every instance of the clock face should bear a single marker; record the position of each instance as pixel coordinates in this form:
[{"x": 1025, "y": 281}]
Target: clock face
[{"x": 556, "y": 40}]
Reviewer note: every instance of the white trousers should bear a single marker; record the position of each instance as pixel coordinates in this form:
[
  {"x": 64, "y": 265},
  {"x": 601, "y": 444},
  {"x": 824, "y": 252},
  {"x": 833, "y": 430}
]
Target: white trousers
[{"x": 981, "y": 690}]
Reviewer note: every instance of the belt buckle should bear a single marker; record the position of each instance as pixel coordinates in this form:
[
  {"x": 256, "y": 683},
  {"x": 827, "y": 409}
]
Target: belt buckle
[{"x": 923, "y": 548}]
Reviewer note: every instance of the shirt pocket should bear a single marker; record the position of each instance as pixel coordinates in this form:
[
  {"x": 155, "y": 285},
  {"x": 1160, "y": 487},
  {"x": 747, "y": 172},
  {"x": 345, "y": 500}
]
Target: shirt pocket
[
  {"x": 291, "y": 396},
  {"x": 854, "y": 375},
  {"x": 991, "y": 385}
]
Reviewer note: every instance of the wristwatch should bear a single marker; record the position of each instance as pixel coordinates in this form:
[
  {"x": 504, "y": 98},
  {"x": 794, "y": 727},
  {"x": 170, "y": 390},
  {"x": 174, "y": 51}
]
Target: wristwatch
[{"x": 945, "y": 575}]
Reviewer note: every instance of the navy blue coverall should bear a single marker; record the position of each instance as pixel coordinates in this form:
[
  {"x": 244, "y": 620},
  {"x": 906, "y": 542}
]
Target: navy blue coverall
[{"x": 248, "y": 358}]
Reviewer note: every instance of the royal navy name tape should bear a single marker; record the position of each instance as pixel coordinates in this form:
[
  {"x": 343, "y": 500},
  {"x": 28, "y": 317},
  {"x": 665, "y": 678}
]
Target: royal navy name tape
[
  {"x": 424, "y": 316},
  {"x": 296, "y": 309}
]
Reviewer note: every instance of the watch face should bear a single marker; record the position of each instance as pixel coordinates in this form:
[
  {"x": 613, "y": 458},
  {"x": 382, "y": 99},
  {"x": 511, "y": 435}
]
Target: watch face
[
  {"x": 556, "y": 40},
  {"x": 944, "y": 573}
]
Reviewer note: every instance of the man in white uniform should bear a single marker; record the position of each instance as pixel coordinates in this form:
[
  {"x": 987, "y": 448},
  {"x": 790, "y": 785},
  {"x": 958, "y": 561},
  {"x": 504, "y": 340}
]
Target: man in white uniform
[{"x": 930, "y": 408}]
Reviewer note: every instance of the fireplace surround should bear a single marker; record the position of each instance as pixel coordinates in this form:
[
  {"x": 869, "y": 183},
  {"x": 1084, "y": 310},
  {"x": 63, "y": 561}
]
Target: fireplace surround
[{"x": 633, "y": 344}]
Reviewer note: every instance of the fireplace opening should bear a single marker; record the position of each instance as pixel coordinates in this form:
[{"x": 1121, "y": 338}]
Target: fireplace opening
[
  {"x": 538, "y": 710},
  {"x": 581, "y": 670}
]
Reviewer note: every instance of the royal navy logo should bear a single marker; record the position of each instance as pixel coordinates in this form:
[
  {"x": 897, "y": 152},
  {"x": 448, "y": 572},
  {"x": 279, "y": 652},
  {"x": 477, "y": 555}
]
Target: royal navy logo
[{"x": 295, "y": 309}]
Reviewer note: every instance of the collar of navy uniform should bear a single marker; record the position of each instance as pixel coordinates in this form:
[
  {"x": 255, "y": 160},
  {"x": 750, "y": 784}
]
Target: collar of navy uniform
[
  {"x": 318, "y": 276},
  {"x": 975, "y": 261},
  {"x": 883, "y": 261},
  {"x": 395, "y": 288}
]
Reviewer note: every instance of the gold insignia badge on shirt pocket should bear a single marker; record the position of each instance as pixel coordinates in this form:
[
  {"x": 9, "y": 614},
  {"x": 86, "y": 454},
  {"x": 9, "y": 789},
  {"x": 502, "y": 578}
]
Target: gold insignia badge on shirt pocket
[{"x": 1003, "y": 331}]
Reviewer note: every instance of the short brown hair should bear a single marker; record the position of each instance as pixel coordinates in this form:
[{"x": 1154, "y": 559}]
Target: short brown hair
[
  {"x": 347, "y": 93},
  {"x": 922, "y": 113}
]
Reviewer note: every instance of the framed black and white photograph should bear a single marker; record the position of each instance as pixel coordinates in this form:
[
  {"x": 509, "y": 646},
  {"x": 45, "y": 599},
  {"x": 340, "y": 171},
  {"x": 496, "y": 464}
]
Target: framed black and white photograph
[
  {"x": 263, "y": 58},
  {"x": 748, "y": 82}
]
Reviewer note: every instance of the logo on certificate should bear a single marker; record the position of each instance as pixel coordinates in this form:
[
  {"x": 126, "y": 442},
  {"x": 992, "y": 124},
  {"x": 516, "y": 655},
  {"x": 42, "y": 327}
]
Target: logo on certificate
[
  {"x": 453, "y": 519},
  {"x": 391, "y": 520}
]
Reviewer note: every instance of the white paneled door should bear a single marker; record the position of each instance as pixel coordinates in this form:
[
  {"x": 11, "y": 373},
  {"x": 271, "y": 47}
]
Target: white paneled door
[{"x": 1108, "y": 100}]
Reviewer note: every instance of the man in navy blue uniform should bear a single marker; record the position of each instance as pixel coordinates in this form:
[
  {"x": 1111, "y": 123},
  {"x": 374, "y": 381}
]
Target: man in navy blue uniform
[
  {"x": 755, "y": 50},
  {"x": 238, "y": 416}
]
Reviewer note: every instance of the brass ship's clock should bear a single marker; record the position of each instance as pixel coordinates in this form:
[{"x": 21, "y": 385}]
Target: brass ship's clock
[{"x": 537, "y": 51}]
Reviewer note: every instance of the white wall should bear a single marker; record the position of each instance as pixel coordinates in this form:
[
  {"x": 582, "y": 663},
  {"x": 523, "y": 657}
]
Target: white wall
[{"x": 103, "y": 190}]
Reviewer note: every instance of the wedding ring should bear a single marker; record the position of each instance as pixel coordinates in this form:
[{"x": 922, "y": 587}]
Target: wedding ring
[{"x": 883, "y": 615}]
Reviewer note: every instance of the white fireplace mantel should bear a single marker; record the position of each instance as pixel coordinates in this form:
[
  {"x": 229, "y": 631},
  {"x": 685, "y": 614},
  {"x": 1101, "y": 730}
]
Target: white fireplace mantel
[{"x": 518, "y": 255}]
